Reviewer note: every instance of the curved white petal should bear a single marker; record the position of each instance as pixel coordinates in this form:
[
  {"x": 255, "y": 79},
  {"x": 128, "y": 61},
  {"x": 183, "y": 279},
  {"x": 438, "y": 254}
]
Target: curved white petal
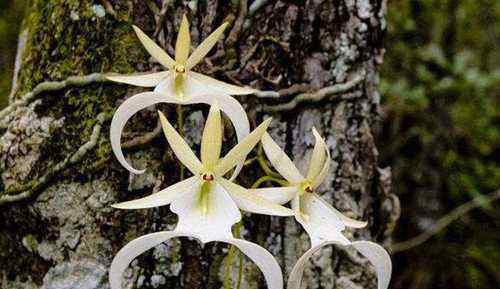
[
  {"x": 144, "y": 80},
  {"x": 239, "y": 152},
  {"x": 181, "y": 149},
  {"x": 205, "y": 46},
  {"x": 377, "y": 255},
  {"x": 126, "y": 110},
  {"x": 263, "y": 259},
  {"x": 220, "y": 86},
  {"x": 252, "y": 203},
  {"x": 211, "y": 222},
  {"x": 321, "y": 223},
  {"x": 211, "y": 139},
  {"x": 163, "y": 197},
  {"x": 156, "y": 51},
  {"x": 379, "y": 258},
  {"x": 135, "y": 248},
  {"x": 318, "y": 179},
  {"x": 280, "y": 161},
  {"x": 280, "y": 195},
  {"x": 183, "y": 43},
  {"x": 318, "y": 157},
  {"x": 348, "y": 222}
]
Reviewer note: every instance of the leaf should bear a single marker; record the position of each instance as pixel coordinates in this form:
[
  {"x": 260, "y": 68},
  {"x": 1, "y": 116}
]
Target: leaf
[
  {"x": 280, "y": 161},
  {"x": 203, "y": 49},
  {"x": 239, "y": 152},
  {"x": 156, "y": 51},
  {"x": 144, "y": 80},
  {"x": 124, "y": 112},
  {"x": 180, "y": 147}
]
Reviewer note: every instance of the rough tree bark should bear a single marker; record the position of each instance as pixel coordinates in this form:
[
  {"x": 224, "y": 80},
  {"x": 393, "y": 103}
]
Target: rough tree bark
[{"x": 62, "y": 227}]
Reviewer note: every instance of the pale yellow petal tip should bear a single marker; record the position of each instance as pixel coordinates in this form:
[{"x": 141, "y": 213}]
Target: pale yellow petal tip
[
  {"x": 224, "y": 25},
  {"x": 137, "y": 29},
  {"x": 315, "y": 132},
  {"x": 119, "y": 206}
]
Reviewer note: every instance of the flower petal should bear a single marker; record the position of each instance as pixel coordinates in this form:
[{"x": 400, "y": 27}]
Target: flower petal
[
  {"x": 211, "y": 140},
  {"x": 156, "y": 51},
  {"x": 189, "y": 87},
  {"x": 234, "y": 111},
  {"x": 319, "y": 178},
  {"x": 379, "y": 258},
  {"x": 263, "y": 259},
  {"x": 348, "y": 222},
  {"x": 321, "y": 224},
  {"x": 280, "y": 195},
  {"x": 252, "y": 203},
  {"x": 183, "y": 43},
  {"x": 135, "y": 248},
  {"x": 205, "y": 46},
  {"x": 211, "y": 222},
  {"x": 144, "y": 80},
  {"x": 239, "y": 152},
  {"x": 318, "y": 156},
  {"x": 126, "y": 110},
  {"x": 163, "y": 197},
  {"x": 180, "y": 147},
  {"x": 377, "y": 255},
  {"x": 221, "y": 86},
  {"x": 280, "y": 161}
]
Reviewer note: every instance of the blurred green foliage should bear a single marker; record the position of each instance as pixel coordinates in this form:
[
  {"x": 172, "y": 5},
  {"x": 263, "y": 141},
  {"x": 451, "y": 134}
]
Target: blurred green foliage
[
  {"x": 11, "y": 15},
  {"x": 441, "y": 135}
]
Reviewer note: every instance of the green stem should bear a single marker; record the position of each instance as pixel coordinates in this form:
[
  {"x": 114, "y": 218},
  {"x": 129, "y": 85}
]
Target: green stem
[
  {"x": 268, "y": 178},
  {"x": 263, "y": 163}
]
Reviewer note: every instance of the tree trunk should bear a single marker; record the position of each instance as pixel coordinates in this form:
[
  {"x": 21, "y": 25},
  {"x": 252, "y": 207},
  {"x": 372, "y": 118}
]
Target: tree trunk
[{"x": 58, "y": 229}]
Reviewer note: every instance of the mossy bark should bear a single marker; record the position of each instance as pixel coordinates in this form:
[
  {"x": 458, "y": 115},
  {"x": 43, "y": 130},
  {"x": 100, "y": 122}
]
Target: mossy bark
[{"x": 68, "y": 227}]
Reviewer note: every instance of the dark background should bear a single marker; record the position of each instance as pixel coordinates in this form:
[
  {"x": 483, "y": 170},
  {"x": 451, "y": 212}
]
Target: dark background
[{"x": 440, "y": 133}]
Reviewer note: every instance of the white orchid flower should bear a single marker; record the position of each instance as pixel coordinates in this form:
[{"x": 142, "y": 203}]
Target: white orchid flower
[
  {"x": 179, "y": 85},
  {"x": 207, "y": 204},
  {"x": 323, "y": 223}
]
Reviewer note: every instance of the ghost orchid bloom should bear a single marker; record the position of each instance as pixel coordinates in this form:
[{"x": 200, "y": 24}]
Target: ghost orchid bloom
[
  {"x": 179, "y": 85},
  {"x": 323, "y": 223},
  {"x": 207, "y": 204}
]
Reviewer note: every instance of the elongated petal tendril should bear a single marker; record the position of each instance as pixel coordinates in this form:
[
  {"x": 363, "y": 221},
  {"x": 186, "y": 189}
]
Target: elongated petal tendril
[
  {"x": 126, "y": 110},
  {"x": 262, "y": 258},
  {"x": 377, "y": 255}
]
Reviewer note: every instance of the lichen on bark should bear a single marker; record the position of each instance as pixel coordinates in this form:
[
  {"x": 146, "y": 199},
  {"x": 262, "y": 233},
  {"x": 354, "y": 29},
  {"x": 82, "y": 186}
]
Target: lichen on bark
[{"x": 69, "y": 222}]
